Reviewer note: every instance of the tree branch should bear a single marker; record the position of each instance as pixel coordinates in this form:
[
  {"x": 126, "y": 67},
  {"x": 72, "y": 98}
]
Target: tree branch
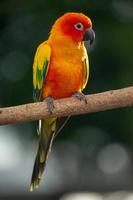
[{"x": 68, "y": 106}]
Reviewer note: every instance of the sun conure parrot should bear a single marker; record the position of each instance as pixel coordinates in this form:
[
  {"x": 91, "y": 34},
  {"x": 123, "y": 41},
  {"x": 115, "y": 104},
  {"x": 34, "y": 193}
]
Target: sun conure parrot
[{"x": 60, "y": 70}]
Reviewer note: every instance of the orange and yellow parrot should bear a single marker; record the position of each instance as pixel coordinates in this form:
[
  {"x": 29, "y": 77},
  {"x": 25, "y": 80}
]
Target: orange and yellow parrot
[{"x": 60, "y": 70}]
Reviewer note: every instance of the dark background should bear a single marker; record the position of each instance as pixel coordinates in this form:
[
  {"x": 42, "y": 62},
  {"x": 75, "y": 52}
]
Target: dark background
[{"x": 93, "y": 152}]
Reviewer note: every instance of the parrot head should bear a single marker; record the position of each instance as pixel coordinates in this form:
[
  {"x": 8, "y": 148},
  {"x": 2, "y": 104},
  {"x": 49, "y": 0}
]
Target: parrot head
[{"x": 77, "y": 26}]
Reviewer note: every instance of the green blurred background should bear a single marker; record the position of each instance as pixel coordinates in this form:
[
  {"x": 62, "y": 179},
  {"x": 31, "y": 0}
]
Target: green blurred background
[{"x": 93, "y": 152}]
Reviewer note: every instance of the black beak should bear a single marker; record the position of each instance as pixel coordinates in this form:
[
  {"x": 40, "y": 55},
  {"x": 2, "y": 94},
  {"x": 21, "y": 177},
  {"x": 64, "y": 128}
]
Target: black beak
[{"x": 89, "y": 35}]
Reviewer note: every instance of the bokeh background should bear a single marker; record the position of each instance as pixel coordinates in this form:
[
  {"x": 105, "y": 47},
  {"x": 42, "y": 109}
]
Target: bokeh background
[{"x": 93, "y": 153}]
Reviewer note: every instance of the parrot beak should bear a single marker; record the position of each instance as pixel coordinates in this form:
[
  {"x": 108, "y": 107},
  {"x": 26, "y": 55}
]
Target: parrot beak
[{"x": 89, "y": 35}]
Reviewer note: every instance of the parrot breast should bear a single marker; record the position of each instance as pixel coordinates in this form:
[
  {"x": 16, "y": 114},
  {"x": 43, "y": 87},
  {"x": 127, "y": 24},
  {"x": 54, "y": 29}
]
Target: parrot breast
[{"x": 65, "y": 75}]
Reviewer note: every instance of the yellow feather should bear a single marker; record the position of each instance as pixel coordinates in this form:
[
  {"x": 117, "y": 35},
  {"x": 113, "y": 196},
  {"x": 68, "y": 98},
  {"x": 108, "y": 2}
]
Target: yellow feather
[
  {"x": 85, "y": 69},
  {"x": 43, "y": 53}
]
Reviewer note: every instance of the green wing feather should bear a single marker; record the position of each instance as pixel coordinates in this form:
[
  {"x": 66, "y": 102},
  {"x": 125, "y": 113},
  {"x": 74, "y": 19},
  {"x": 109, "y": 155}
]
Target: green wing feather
[{"x": 40, "y": 69}]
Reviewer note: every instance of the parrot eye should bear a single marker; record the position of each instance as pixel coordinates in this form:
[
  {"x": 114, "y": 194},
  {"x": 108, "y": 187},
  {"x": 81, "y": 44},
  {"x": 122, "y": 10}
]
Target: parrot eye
[{"x": 79, "y": 26}]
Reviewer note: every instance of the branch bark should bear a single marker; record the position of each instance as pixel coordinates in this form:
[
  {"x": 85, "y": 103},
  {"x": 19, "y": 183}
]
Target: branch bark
[{"x": 68, "y": 106}]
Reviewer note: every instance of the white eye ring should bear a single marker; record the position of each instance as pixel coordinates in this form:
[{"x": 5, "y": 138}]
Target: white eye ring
[{"x": 79, "y": 26}]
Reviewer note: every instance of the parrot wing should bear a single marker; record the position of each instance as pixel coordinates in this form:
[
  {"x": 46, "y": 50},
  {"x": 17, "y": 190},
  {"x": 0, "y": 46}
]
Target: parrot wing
[
  {"x": 85, "y": 70},
  {"x": 46, "y": 128},
  {"x": 40, "y": 69}
]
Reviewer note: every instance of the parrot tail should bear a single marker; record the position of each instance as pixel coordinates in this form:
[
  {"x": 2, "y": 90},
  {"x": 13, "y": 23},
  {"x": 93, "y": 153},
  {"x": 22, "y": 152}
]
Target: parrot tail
[{"x": 47, "y": 133}]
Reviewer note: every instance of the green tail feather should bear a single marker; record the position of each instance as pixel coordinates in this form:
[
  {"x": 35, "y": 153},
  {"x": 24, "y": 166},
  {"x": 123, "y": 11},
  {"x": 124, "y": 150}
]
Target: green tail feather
[{"x": 47, "y": 134}]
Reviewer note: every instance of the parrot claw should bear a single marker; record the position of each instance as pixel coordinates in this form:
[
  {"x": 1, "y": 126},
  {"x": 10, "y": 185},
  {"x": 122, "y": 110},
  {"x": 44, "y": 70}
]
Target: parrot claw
[
  {"x": 80, "y": 96},
  {"x": 50, "y": 104}
]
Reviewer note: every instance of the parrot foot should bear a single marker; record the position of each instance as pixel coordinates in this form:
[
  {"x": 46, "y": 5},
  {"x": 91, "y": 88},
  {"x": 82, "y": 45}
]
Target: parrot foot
[
  {"x": 80, "y": 96},
  {"x": 50, "y": 104}
]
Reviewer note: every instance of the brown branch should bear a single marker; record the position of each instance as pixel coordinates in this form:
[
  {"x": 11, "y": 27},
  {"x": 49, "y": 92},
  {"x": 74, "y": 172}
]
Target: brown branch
[{"x": 69, "y": 106}]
